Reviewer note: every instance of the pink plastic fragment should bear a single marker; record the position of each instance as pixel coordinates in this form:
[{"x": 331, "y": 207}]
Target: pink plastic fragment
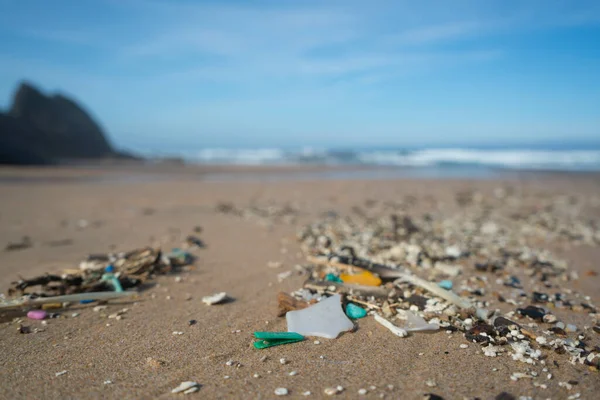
[{"x": 37, "y": 314}]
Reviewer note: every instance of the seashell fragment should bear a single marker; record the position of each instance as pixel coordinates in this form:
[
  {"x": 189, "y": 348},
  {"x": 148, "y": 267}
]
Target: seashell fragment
[{"x": 215, "y": 298}]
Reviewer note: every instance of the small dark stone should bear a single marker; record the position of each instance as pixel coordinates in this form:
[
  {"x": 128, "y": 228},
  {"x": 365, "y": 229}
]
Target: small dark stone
[
  {"x": 573, "y": 382},
  {"x": 418, "y": 301},
  {"x": 192, "y": 322},
  {"x": 505, "y": 396},
  {"x": 533, "y": 312},
  {"x": 24, "y": 329},
  {"x": 513, "y": 281},
  {"x": 558, "y": 331},
  {"x": 475, "y": 333},
  {"x": 501, "y": 321},
  {"x": 538, "y": 297},
  {"x": 555, "y": 363},
  {"x": 432, "y": 396},
  {"x": 489, "y": 267},
  {"x": 193, "y": 240},
  {"x": 560, "y": 350},
  {"x": 596, "y": 329},
  {"x": 588, "y": 307}
]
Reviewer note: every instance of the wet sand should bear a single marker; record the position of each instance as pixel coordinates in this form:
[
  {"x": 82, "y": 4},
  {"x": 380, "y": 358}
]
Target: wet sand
[{"x": 132, "y": 214}]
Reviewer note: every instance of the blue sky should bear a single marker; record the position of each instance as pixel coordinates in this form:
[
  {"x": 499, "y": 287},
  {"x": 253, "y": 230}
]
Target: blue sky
[{"x": 174, "y": 73}]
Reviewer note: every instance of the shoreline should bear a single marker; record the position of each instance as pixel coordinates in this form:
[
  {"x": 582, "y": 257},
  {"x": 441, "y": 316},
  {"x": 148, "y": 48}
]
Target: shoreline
[{"x": 149, "y": 173}]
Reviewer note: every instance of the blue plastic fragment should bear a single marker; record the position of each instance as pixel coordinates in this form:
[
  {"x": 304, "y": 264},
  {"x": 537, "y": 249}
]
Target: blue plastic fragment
[
  {"x": 353, "y": 311},
  {"x": 110, "y": 268},
  {"x": 332, "y": 278},
  {"x": 86, "y": 301},
  {"x": 445, "y": 284}
]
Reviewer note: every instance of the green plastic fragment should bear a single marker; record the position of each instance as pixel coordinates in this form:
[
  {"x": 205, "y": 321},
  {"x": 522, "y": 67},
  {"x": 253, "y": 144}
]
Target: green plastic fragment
[
  {"x": 332, "y": 278},
  {"x": 353, "y": 311},
  {"x": 270, "y": 339}
]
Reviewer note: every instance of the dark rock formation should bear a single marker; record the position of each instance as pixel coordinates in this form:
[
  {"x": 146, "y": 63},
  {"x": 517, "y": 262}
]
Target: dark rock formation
[{"x": 40, "y": 129}]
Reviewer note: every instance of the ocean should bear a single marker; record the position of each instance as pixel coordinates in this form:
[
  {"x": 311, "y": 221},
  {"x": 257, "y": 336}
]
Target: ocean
[{"x": 516, "y": 158}]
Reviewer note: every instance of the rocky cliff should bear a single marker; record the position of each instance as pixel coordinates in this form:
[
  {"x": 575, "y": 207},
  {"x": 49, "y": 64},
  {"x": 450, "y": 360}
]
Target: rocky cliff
[{"x": 40, "y": 129}]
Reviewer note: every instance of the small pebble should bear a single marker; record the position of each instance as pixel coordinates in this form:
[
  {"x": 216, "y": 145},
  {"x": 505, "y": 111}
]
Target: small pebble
[
  {"x": 362, "y": 392},
  {"x": 281, "y": 392},
  {"x": 316, "y": 342},
  {"x": 282, "y": 361},
  {"x": 74, "y": 315},
  {"x": 464, "y": 346},
  {"x": 293, "y": 373},
  {"x": 61, "y": 373},
  {"x": 108, "y": 382},
  {"x": 226, "y": 377},
  {"x": 331, "y": 391},
  {"x": 256, "y": 375},
  {"x": 307, "y": 393},
  {"x": 177, "y": 333}
]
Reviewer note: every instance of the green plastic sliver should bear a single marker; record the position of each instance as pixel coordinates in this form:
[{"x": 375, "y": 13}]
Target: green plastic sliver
[{"x": 270, "y": 339}]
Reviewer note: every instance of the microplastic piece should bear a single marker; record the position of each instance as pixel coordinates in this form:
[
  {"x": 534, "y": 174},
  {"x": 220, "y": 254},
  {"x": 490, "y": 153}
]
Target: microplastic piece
[
  {"x": 415, "y": 323},
  {"x": 365, "y": 278},
  {"x": 396, "y": 330},
  {"x": 270, "y": 339},
  {"x": 445, "y": 284},
  {"x": 324, "y": 319},
  {"x": 353, "y": 311}
]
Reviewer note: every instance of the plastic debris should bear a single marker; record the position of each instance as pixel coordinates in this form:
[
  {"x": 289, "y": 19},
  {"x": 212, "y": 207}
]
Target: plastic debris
[
  {"x": 396, "y": 330},
  {"x": 365, "y": 278},
  {"x": 180, "y": 257},
  {"x": 93, "y": 296},
  {"x": 353, "y": 311},
  {"x": 110, "y": 277},
  {"x": 332, "y": 278},
  {"x": 415, "y": 323},
  {"x": 187, "y": 387},
  {"x": 37, "y": 314},
  {"x": 215, "y": 298},
  {"x": 325, "y": 319},
  {"x": 270, "y": 339},
  {"x": 61, "y": 373},
  {"x": 281, "y": 392},
  {"x": 445, "y": 284}
]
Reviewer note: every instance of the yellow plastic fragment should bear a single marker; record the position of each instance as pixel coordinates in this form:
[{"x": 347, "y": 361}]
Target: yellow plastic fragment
[{"x": 364, "y": 278}]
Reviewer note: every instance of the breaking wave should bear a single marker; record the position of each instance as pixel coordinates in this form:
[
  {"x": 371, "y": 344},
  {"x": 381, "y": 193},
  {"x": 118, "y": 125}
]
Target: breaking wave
[{"x": 559, "y": 160}]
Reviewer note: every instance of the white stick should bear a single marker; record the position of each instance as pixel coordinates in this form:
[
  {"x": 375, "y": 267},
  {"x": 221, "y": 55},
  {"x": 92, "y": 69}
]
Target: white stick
[
  {"x": 393, "y": 328},
  {"x": 448, "y": 295},
  {"x": 67, "y": 298}
]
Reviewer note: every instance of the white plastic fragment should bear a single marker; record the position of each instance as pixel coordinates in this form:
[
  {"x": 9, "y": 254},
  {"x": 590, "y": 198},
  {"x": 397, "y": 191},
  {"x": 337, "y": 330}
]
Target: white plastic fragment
[
  {"x": 414, "y": 323},
  {"x": 61, "y": 373},
  {"x": 187, "y": 387},
  {"x": 393, "y": 328},
  {"x": 325, "y": 319},
  {"x": 215, "y": 298}
]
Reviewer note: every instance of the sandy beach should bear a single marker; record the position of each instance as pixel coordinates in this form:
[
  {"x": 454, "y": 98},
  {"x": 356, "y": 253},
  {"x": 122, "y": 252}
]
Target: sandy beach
[{"x": 111, "y": 214}]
